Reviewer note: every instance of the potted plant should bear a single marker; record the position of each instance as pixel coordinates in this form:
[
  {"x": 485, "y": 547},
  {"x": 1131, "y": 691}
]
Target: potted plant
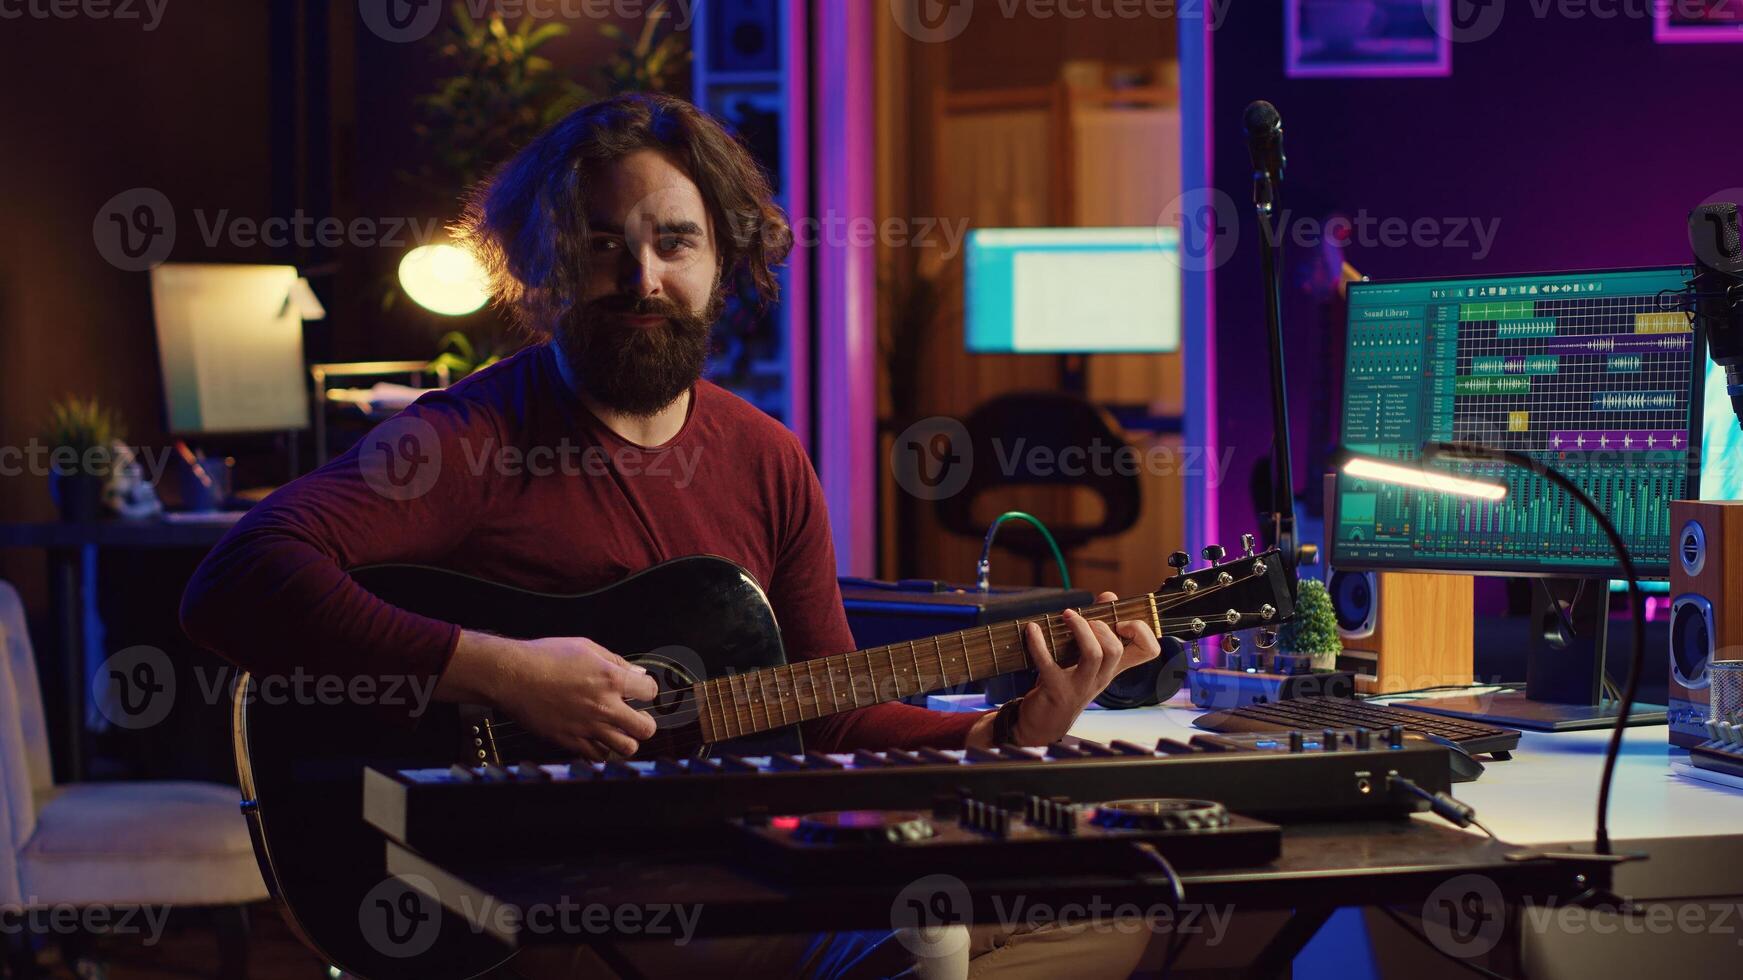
[
  {"x": 456, "y": 353},
  {"x": 1314, "y": 630},
  {"x": 81, "y": 436}
]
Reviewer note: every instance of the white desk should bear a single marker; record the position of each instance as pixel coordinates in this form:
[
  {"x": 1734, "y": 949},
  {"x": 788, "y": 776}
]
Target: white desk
[{"x": 1547, "y": 792}]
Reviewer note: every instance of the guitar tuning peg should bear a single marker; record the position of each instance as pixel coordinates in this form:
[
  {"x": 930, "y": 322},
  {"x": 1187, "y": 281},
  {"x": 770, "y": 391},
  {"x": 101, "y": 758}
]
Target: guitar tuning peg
[
  {"x": 1247, "y": 542},
  {"x": 1267, "y": 639},
  {"x": 1214, "y": 553},
  {"x": 1178, "y": 561},
  {"x": 1231, "y": 643}
]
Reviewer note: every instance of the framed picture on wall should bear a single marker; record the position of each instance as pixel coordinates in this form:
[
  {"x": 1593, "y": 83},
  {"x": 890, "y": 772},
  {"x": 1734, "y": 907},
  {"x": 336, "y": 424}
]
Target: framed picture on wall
[
  {"x": 1697, "y": 21},
  {"x": 1356, "y": 38}
]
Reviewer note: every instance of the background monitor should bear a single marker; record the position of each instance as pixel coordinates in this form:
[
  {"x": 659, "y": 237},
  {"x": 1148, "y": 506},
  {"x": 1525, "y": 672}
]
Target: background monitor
[
  {"x": 1594, "y": 373},
  {"x": 1073, "y": 290},
  {"x": 230, "y": 342}
]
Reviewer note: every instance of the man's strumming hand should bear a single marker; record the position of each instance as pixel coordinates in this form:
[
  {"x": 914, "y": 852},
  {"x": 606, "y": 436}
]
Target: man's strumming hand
[
  {"x": 566, "y": 689},
  {"x": 1061, "y": 693}
]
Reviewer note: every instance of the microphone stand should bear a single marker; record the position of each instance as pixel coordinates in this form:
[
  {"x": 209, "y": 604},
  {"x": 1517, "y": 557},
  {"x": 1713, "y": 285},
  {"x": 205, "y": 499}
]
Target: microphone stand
[{"x": 1282, "y": 463}]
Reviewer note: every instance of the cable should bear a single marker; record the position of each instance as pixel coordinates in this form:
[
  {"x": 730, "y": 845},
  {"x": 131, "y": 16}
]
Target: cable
[
  {"x": 1480, "y": 826},
  {"x": 1636, "y": 599},
  {"x": 1156, "y": 858},
  {"x": 1567, "y": 624},
  {"x": 1176, "y": 942},
  {"x": 1176, "y": 946},
  {"x": 1453, "y": 811},
  {"x": 1419, "y": 936},
  {"x": 983, "y": 576}
]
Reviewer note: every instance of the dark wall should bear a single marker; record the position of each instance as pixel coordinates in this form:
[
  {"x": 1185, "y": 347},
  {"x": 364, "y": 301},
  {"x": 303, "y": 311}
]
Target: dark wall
[
  {"x": 1583, "y": 138},
  {"x": 232, "y": 110},
  {"x": 93, "y": 109}
]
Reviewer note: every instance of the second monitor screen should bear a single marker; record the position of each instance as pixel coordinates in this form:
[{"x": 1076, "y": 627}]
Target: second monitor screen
[{"x": 1594, "y": 374}]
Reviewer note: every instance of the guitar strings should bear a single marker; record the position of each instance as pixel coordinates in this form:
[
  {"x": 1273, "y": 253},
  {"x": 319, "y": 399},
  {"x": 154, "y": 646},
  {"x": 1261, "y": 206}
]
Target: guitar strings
[{"x": 1055, "y": 633}]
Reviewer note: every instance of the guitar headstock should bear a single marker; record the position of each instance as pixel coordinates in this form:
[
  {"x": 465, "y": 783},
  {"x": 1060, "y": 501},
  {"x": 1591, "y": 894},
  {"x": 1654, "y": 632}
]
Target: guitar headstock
[{"x": 1251, "y": 590}]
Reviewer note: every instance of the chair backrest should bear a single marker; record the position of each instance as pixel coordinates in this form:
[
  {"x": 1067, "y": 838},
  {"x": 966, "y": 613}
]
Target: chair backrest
[
  {"x": 1013, "y": 431},
  {"x": 24, "y": 761}
]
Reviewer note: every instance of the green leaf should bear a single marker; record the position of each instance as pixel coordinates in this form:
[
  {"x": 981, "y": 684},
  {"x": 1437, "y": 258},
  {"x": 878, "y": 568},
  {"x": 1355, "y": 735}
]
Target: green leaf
[{"x": 546, "y": 33}]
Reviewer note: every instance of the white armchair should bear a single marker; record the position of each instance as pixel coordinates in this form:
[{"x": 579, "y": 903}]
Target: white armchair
[{"x": 175, "y": 845}]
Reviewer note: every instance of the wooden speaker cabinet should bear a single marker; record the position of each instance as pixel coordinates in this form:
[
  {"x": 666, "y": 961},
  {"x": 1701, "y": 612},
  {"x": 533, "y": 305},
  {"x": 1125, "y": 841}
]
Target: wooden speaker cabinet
[
  {"x": 1706, "y": 622},
  {"x": 1401, "y": 631}
]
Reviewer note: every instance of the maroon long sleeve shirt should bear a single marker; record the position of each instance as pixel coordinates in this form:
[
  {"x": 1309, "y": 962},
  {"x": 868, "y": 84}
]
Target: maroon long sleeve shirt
[{"x": 507, "y": 476}]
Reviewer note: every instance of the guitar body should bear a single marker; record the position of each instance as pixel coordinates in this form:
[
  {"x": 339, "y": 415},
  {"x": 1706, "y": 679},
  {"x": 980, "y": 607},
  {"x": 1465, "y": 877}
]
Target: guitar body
[
  {"x": 301, "y": 764},
  {"x": 703, "y": 629}
]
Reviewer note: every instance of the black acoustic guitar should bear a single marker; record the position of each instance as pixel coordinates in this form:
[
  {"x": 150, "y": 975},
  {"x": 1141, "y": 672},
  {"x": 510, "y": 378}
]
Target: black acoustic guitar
[{"x": 703, "y": 629}]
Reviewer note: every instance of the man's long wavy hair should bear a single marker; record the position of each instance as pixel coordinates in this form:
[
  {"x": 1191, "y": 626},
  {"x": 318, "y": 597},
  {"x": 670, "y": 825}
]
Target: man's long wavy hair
[{"x": 528, "y": 222}]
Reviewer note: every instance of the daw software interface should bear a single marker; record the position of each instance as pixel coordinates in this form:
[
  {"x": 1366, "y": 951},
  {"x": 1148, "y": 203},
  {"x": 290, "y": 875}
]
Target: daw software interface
[{"x": 1596, "y": 374}]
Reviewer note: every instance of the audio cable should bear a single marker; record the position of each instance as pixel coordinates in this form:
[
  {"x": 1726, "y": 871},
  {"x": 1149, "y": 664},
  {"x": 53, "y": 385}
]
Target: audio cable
[
  {"x": 1453, "y": 811},
  {"x": 983, "y": 571}
]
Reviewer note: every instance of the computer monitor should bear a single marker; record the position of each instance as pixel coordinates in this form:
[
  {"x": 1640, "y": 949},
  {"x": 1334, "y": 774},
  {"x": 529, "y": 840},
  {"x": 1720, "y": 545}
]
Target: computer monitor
[
  {"x": 230, "y": 342},
  {"x": 1598, "y": 374},
  {"x": 1072, "y": 290},
  {"x": 1721, "y": 458}
]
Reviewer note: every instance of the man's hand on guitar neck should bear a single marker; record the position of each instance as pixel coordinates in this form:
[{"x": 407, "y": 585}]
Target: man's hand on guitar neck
[
  {"x": 1061, "y": 693},
  {"x": 568, "y": 690}
]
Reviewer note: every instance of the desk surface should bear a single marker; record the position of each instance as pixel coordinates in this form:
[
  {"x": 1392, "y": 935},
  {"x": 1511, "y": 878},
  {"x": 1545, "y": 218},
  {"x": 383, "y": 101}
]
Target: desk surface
[
  {"x": 151, "y": 532},
  {"x": 1547, "y": 792}
]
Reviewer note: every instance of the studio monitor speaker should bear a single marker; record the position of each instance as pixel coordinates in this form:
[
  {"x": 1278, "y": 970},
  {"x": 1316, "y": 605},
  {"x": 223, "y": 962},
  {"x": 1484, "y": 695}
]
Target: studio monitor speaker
[
  {"x": 1706, "y": 583},
  {"x": 1401, "y": 631}
]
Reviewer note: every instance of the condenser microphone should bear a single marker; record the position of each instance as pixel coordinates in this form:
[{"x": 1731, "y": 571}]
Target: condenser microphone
[{"x": 1718, "y": 290}]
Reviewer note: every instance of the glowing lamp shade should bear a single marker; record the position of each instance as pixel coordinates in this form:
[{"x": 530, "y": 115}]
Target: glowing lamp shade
[
  {"x": 444, "y": 279},
  {"x": 1397, "y": 474}
]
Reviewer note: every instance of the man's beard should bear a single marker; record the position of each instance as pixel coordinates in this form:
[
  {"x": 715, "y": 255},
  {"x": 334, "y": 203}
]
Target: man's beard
[{"x": 637, "y": 370}]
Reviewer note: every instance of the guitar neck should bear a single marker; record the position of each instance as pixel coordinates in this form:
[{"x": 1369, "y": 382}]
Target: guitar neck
[{"x": 757, "y": 701}]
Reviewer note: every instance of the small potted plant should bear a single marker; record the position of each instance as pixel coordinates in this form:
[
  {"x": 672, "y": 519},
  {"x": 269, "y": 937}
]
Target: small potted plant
[
  {"x": 1314, "y": 630},
  {"x": 81, "y": 437}
]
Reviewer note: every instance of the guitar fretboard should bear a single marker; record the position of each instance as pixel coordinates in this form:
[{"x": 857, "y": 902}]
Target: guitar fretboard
[{"x": 756, "y": 701}]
